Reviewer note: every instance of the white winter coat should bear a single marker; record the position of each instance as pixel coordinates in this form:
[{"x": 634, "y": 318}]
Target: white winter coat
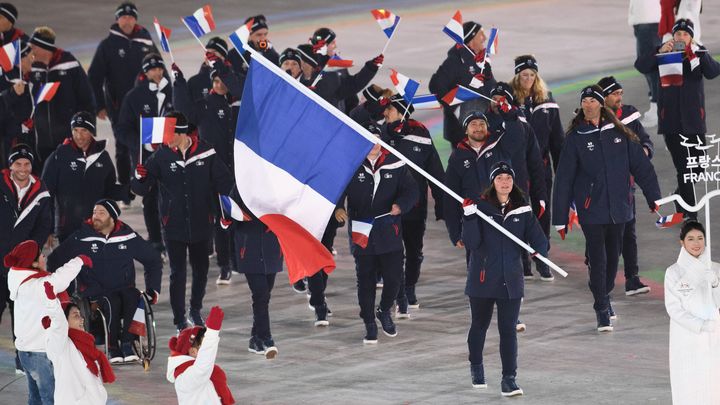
[
  {"x": 75, "y": 384},
  {"x": 644, "y": 12},
  {"x": 193, "y": 386},
  {"x": 27, "y": 312},
  {"x": 692, "y": 303}
]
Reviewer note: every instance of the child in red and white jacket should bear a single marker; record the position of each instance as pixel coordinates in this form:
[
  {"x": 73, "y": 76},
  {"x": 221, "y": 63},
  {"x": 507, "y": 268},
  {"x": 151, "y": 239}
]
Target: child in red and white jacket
[
  {"x": 80, "y": 369},
  {"x": 191, "y": 365},
  {"x": 26, "y": 279}
]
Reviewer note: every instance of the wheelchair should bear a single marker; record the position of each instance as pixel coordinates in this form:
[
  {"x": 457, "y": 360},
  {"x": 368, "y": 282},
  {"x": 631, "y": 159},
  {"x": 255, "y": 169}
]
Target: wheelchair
[{"x": 97, "y": 324}]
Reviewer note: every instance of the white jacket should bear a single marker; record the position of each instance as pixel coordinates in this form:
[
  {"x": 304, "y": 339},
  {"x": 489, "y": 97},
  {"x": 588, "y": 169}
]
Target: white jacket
[
  {"x": 644, "y": 12},
  {"x": 27, "y": 313},
  {"x": 193, "y": 386},
  {"x": 694, "y": 353},
  {"x": 75, "y": 384}
]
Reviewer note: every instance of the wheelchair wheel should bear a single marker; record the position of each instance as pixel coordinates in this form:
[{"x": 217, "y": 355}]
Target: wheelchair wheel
[
  {"x": 95, "y": 321},
  {"x": 144, "y": 346}
]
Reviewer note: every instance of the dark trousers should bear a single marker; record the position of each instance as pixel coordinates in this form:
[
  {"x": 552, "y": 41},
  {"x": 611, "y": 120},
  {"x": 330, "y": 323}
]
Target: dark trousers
[
  {"x": 413, "y": 233},
  {"x": 261, "y": 286},
  {"x": 367, "y": 268},
  {"x": 481, "y": 310},
  {"x": 177, "y": 254},
  {"x": 122, "y": 161},
  {"x": 119, "y": 306},
  {"x": 630, "y": 250},
  {"x": 224, "y": 244},
  {"x": 318, "y": 281},
  {"x": 151, "y": 214},
  {"x": 647, "y": 41},
  {"x": 680, "y": 156},
  {"x": 603, "y": 244},
  {"x": 544, "y": 221}
]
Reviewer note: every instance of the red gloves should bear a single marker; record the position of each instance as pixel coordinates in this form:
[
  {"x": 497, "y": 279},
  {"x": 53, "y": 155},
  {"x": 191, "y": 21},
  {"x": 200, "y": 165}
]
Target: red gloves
[
  {"x": 140, "y": 172},
  {"x": 215, "y": 318},
  {"x": 480, "y": 77},
  {"x": 503, "y": 105},
  {"x": 87, "y": 262},
  {"x": 45, "y": 321},
  {"x": 225, "y": 223},
  {"x": 468, "y": 206},
  {"x": 152, "y": 296},
  {"x": 378, "y": 61},
  {"x": 654, "y": 209},
  {"x": 49, "y": 291}
]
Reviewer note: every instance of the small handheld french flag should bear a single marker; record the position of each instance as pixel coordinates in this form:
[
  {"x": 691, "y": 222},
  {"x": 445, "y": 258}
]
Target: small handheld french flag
[
  {"x": 669, "y": 221},
  {"x": 157, "y": 129},
  {"x": 239, "y": 38},
  {"x": 492, "y": 44},
  {"x": 232, "y": 209},
  {"x": 163, "y": 34},
  {"x": 670, "y": 67},
  {"x": 137, "y": 326},
  {"x": 47, "y": 92},
  {"x": 426, "y": 102},
  {"x": 387, "y": 20},
  {"x": 404, "y": 85},
  {"x": 361, "y": 232},
  {"x": 454, "y": 28},
  {"x": 10, "y": 55},
  {"x": 459, "y": 95},
  {"x": 201, "y": 22}
]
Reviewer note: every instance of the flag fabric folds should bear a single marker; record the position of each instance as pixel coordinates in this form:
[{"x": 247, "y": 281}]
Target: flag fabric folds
[
  {"x": 669, "y": 221},
  {"x": 163, "y": 34},
  {"x": 137, "y": 325},
  {"x": 201, "y": 22},
  {"x": 387, "y": 21},
  {"x": 361, "y": 232},
  {"x": 294, "y": 156},
  {"x": 337, "y": 63},
  {"x": 10, "y": 55},
  {"x": 406, "y": 86},
  {"x": 47, "y": 92},
  {"x": 426, "y": 102},
  {"x": 231, "y": 209},
  {"x": 157, "y": 129},
  {"x": 459, "y": 95},
  {"x": 239, "y": 38},
  {"x": 492, "y": 43},
  {"x": 454, "y": 28},
  {"x": 670, "y": 66}
]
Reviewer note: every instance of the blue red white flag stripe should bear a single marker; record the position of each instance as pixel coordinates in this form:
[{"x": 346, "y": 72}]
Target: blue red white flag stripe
[
  {"x": 239, "y": 38},
  {"x": 137, "y": 325},
  {"x": 454, "y": 28},
  {"x": 670, "y": 67},
  {"x": 459, "y": 95},
  {"x": 201, "y": 22},
  {"x": 387, "y": 21},
  {"x": 361, "y": 232},
  {"x": 492, "y": 44},
  {"x": 405, "y": 86},
  {"x": 232, "y": 209},
  {"x": 426, "y": 102},
  {"x": 47, "y": 92},
  {"x": 669, "y": 220},
  {"x": 157, "y": 129},
  {"x": 163, "y": 34},
  {"x": 10, "y": 55}
]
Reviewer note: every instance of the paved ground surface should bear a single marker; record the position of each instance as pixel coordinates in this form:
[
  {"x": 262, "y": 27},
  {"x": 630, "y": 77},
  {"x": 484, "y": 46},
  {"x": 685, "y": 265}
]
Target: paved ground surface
[{"x": 562, "y": 358}]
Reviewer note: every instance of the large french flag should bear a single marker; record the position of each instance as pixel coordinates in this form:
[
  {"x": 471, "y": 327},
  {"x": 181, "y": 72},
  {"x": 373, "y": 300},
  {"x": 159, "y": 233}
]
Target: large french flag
[
  {"x": 137, "y": 325},
  {"x": 10, "y": 55},
  {"x": 47, "y": 92},
  {"x": 201, "y": 22},
  {"x": 361, "y": 232},
  {"x": 459, "y": 95},
  {"x": 454, "y": 28},
  {"x": 387, "y": 20},
  {"x": 239, "y": 38},
  {"x": 670, "y": 67},
  {"x": 294, "y": 156},
  {"x": 163, "y": 34},
  {"x": 157, "y": 129},
  {"x": 406, "y": 86}
]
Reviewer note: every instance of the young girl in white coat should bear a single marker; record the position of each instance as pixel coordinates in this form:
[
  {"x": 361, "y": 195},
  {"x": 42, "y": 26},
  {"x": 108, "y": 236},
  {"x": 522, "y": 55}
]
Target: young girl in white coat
[
  {"x": 80, "y": 369},
  {"x": 692, "y": 299},
  {"x": 191, "y": 365}
]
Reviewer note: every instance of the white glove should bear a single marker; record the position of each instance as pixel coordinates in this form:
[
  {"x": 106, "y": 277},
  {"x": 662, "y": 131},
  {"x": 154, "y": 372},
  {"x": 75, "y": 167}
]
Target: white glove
[{"x": 469, "y": 209}]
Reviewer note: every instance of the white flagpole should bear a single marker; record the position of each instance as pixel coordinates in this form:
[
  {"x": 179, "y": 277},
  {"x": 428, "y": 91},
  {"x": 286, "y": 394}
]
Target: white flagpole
[
  {"x": 374, "y": 139},
  {"x": 141, "y": 143},
  {"x": 222, "y": 212}
]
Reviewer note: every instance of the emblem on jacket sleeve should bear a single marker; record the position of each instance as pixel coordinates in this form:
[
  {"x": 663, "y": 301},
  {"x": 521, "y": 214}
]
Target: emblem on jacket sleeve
[
  {"x": 361, "y": 177},
  {"x": 94, "y": 247},
  {"x": 590, "y": 146},
  {"x": 617, "y": 140},
  {"x": 173, "y": 166},
  {"x": 121, "y": 52},
  {"x": 466, "y": 164}
]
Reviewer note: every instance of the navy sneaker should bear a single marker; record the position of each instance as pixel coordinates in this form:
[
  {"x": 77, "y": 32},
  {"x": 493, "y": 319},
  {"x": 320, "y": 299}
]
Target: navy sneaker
[
  {"x": 271, "y": 350},
  {"x": 402, "y": 309},
  {"x": 256, "y": 346},
  {"x": 411, "y": 297},
  {"x": 477, "y": 373},
  {"x": 611, "y": 311},
  {"x": 180, "y": 326},
  {"x": 509, "y": 387},
  {"x": 321, "y": 313},
  {"x": 299, "y": 286},
  {"x": 634, "y": 286},
  {"x": 116, "y": 356},
  {"x": 196, "y": 317},
  {"x": 388, "y": 326},
  {"x": 128, "y": 352},
  {"x": 603, "y": 321},
  {"x": 225, "y": 274},
  {"x": 545, "y": 273},
  {"x": 370, "y": 333}
]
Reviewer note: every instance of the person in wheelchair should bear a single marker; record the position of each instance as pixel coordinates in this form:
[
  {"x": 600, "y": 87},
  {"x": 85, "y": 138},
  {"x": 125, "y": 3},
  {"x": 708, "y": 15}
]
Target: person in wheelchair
[{"x": 110, "y": 284}]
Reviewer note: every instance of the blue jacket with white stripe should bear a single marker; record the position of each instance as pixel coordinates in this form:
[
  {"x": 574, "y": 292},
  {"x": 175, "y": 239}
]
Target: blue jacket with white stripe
[
  {"x": 113, "y": 259},
  {"x": 371, "y": 193},
  {"x": 594, "y": 171}
]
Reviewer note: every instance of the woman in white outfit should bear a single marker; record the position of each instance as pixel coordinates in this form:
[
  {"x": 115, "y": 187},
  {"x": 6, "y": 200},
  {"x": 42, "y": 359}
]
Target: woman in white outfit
[{"x": 692, "y": 299}]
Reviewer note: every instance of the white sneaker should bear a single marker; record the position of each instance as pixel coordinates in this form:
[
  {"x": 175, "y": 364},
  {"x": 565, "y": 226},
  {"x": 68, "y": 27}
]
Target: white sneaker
[
  {"x": 520, "y": 327},
  {"x": 650, "y": 118}
]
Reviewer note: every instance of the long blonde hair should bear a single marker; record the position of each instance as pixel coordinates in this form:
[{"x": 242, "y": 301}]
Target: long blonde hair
[{"x": 539, "y": 90}]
